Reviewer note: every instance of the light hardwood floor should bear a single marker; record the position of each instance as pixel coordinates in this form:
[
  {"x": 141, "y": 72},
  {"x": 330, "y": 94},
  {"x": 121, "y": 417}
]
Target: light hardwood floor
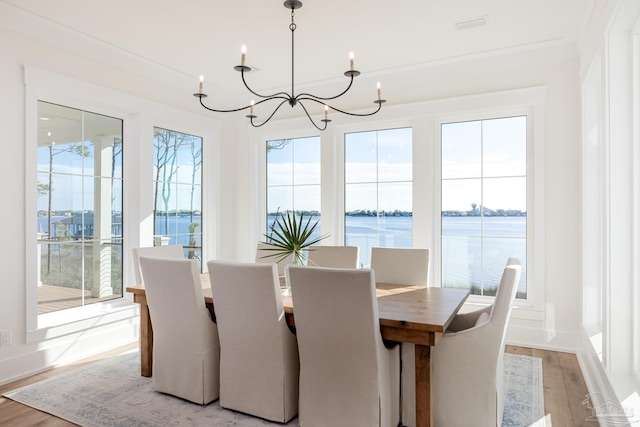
[{"x": 564, "y": 391}]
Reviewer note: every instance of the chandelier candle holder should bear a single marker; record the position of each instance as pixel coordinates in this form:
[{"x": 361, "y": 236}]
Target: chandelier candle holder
[{"x": 291, "y": 98}]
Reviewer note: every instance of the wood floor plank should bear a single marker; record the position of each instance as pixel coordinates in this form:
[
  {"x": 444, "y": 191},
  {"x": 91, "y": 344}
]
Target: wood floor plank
[
  {"x": 556, "y": 403},
  {"x": 576, "y": 389},
  {"x": 523, "y": 351}
]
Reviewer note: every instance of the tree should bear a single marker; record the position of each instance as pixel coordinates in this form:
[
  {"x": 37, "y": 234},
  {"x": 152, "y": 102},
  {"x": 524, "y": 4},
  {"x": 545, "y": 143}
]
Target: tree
[
  {"x": 277, "y": 144},
  {"x": 166, "y": 144}
]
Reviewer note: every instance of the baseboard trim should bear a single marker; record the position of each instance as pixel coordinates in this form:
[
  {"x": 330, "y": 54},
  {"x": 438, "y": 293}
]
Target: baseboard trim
[
  {"x": 602, "y": 392},
  {"x": 543, "y": 339}
]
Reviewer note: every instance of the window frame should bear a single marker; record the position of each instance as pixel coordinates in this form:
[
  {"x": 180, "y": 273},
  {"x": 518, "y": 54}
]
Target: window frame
[
  {"x": 343, "y": 166},
  {"x": 42, "y": 86},
  {"x": 200, "y": 184},
  {"x": 293, "y": 185},
  {"x": 532, "y": 107}
]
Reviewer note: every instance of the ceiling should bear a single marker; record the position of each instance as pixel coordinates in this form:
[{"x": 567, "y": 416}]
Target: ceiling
[{"x": 197, "y": 37}]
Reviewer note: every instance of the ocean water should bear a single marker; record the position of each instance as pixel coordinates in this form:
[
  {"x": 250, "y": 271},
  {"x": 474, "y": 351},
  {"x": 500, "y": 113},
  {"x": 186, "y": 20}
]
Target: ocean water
[{"x": 468, "y": 260}]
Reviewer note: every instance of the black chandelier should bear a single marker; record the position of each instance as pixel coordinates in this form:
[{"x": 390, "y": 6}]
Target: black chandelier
[{"x": 292, "y": 98}]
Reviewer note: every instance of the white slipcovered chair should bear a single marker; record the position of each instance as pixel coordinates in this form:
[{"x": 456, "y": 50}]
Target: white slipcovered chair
[
  {"x": 468, "y": 384},
  {"x": 166, "y": 251},
  {"x": 259, "y": 364},
  {"x": 403, "y": 266},
  {"x": 264, "y": 255},
  {"x": 186, "y": 352},
  {"x": 333, "y": 256},
  {"x": 347, "y": 375}
]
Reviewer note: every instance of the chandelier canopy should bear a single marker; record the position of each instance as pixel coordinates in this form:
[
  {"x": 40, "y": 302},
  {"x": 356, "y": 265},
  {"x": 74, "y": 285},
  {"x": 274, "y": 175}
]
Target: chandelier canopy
[{"x": 291, "y": 98}]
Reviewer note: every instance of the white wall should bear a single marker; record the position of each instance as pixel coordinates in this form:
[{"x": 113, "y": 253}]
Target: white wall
[
  {"x": 234, "y": 203},
  {"x": 609, "y": 343}
]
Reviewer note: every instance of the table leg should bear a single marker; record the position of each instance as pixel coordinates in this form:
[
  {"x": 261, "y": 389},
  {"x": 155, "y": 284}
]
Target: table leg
[
  {"x": 424, "y": 397},
  {"x": 146, "y": 342}
]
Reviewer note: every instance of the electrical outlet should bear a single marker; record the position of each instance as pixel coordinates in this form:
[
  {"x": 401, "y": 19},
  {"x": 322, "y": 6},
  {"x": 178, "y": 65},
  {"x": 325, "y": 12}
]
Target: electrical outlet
[{"x": 5, "y": 338}]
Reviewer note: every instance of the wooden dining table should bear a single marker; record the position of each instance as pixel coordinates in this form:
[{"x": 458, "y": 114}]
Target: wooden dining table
[{"x": 409, "y": 314}]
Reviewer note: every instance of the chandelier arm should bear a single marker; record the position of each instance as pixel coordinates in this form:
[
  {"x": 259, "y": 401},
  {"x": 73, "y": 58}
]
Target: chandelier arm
[
  {"x": 215, "y": 110},
  {"x": 272, "y": 114},
  {"x": 379, "y": 102},
  {"x": 275, "y": 95},
  {"x": 309, "y": 116},
  {"x": 318, "y": 98}
]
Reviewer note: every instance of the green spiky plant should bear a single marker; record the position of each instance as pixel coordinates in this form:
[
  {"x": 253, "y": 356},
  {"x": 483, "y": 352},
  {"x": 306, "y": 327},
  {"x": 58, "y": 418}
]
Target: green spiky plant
[{"x": 291, "y": 235}]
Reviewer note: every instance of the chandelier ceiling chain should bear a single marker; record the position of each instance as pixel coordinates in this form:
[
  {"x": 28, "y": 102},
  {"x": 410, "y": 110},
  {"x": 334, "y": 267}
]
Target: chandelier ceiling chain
[{"x": 292, "y": 99}]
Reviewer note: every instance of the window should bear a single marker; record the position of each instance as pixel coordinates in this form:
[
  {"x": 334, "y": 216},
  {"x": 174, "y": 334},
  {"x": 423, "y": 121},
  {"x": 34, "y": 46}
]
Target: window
[
  {"x": 293, "y": 178},
  {"x": 79, "y": 187},
  {"x": 378, "y": 190},
  {"x": 483, "y": 202},
  {"x": 177, "y": 201}
]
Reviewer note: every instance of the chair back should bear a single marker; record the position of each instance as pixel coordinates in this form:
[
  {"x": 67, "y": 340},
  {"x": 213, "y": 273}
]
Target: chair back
[
  {"x": 341, "y": 349},
  {"x": 166, "y": 251},
  {"x": 259, "y": 365},
  {"x": 333, "y": 256},
  {"x": 264, "y": 255},
  {"x": 500, "y": 314},
  {"x": 400, "y": 266},
  {"x": 185, "y": 339}
]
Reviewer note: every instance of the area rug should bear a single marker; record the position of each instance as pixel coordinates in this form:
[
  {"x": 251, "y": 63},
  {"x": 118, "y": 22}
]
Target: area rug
[{"x": 112, "y": 393}]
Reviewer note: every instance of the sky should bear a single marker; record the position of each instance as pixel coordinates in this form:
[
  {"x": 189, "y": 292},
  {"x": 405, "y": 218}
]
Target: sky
[
  {"x": 379, "y": 168},
  {"x": 378, "y": 171}
]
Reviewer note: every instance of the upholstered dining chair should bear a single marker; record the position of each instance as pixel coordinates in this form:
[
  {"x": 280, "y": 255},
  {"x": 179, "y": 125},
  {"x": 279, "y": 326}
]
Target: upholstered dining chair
[
  {"x": 264, "y": 255},
  {"x": 347, "y": 375},
  {"x": 166, "y": 251},
  {"x": 186, "y": 351},
  {"x": 333, "y": 256},
  {"x": 259, "y": 365},
  {"x": 403, "y": 266},
  {"x": 468, "y": 372},
  {"x": 400, "y": 266}
]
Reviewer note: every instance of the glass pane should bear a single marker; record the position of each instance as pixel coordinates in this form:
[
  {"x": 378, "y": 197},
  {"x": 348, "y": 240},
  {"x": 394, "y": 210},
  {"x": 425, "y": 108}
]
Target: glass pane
[
  {"x": 461, "y": 150},
  {"x": 395, "y": 198},
  {"x": 360, "y": 155},
  {"x": 395, "y": 155},
  {"x": 504, "y": 146},
  {"x": 461, "y": 197},
  {"x": 490, "y": 207},
  {"x": 505, "y": 196},
  {"x": 307, "y": 198},
  {"x": 116, "y": 170},
  {"x": 306, "y": 161},
  {"x": 280, "y": 162},
  {"x": 361, "y": 199},
  {"x": 361, "y": 219},
  {"x": 462, "y": 263},
  {"x": 378, "y": 211},
  {"x": 178, "y": 191},
  {"x": 495, "y": 252},
  {"x": 462, "y": 226},
  {"x": 279, "y": 200},
  {"x": 79, "y": 207},
  {"x": 293, "y": 178}
]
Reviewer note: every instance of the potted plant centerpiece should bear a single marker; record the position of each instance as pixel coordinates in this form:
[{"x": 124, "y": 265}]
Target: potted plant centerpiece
[{"x": 291, "y": 235}]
